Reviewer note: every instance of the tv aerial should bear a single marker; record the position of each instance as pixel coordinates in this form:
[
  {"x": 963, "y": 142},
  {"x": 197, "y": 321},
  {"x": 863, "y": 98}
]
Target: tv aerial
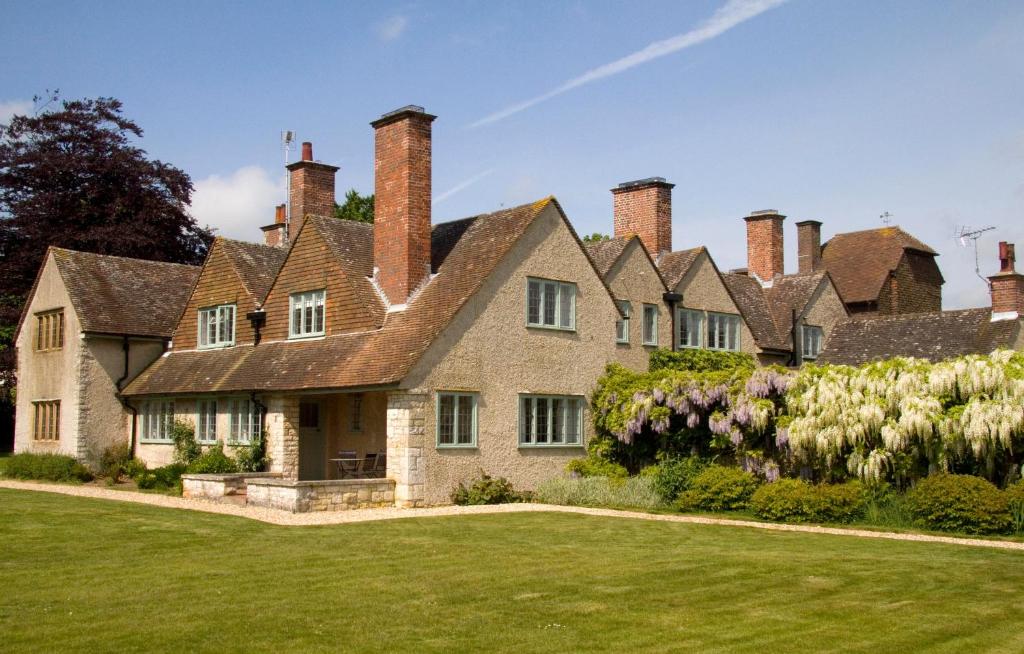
[
  {"x": 966, "y": 237},
  {"x": 287, "y": 138}
]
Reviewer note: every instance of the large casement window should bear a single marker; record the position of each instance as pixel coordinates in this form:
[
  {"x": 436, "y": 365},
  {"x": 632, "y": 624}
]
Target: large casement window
[
  {"x": 50, "y": 330},
  {"x": 691, "y": 328},
  {"x": 157, "y": 419},
  {"x": 46, "y": 420},
  {"x": 811, "y": 337},
  {"x": 206, "y": 421},
  {"x": 243, "y": 421},
  {"x": 550, "y": 304},
  {"x": 650, "y": 324},
  {"x": 550, "y": 420},
  {"x": 456, "y": 419},
  {"x": 622, "y": 324},
  {"x": 217, "y": 326},
  {"x": 723, "y": 331},
  {"x": 306, "y": 315}
]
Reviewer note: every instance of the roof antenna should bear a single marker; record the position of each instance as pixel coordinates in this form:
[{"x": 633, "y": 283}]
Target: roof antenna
[
  {"x": 965, "y": 236},
  {"x": 886, "y": 218},
  {"x": 287, "y": 138}
]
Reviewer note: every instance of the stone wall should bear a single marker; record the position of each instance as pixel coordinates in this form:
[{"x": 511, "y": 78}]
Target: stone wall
[
  {"x": 406, "y": 431},
  {"x": 282, "y": 424},
  {"x": 332, "y": 495},
  {"x": 217, "y": 487}
]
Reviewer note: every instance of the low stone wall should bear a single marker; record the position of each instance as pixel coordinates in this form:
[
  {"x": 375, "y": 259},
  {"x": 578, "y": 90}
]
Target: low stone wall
[
  {"x": 218, "y": 486},
  {"x": 328, "y": 495}
]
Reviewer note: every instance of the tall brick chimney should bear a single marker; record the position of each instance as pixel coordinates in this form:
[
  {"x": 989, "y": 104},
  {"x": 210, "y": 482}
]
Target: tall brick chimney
[
  {"x": 1007, "y": 286},
  {"x": 273, "y": 234},
  {"x": 764, "y": 244},
  {"x": 401, "y": 227},
  {"x": 644, "y": 207},
  {"x": 312, "y": 190},
  {"x": 808, "y": 238}
]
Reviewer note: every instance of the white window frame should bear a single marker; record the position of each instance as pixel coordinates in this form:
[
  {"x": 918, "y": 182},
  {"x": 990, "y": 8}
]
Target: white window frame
[
  {"x": 206, "y": 421},
  {"x": 313, "y": 301},
  {"x": 560, "y": 296},
  {"x": 622, "y": 322},
  {"x": 220, "y": 320},
  {"x": 683, "y": 318},
  {"x": 732, "y": 321},
  {"x": 814, "y": 333},
  {"x": 458, "y": 398},
  {"x": 650, "y": 338},
  {"x": 528, "y": 421},
  {"x": 244, "y": 420},
  {"x": 157, "y": 421}
]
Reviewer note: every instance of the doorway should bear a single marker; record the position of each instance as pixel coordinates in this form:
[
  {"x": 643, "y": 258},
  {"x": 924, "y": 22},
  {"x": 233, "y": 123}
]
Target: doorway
[{"x": 312, "y": 441}]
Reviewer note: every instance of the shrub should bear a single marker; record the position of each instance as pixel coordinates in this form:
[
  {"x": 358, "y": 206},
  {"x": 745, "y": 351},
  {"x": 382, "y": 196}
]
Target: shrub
[
  {"x": 1015, "y": 500},
  {"x": 486, "y": 490},
  {"x": 186, "y": 448},
  {"x": 793, "y": 500},
  {"x": 46, "y": 467},
  {"x": 596, "y": 466},
  {"x": 718, "y": 488},
  {"x": 960, "y": 503},
  {"x": 631, "y": 493},
  {"x": 165, "y": 478},
  {"x": 674, "y": 475},
  {"x": 213, "y": 461},
  {"x": 114, "y": 461},
  {"x": 696, "y": 360},
  {"x": 252, "y": 457}
]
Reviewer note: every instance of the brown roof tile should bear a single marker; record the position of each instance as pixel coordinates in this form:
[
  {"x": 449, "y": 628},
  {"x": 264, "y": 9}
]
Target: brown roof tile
[
  {"x": 117, "y": 295},
  {"x": 859, "y": 262},
  {"x": 351, "y": 242},
  {"x": 605, "y": 253},
  {"x": 675, "y": 265},
  {"x": 257, "y": 265},
  {"x": 788, "y": 293},
  {"x": 753, "y": 304}
]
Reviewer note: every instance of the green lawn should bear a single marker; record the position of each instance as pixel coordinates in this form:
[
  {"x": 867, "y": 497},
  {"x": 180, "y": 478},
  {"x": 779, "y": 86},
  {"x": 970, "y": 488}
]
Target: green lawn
[{"x": 91, "y": 575}]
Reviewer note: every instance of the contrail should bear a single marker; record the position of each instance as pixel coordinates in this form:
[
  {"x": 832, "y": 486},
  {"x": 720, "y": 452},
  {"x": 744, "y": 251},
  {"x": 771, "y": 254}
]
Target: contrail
[
  {"x": 729, "y": 15},
  {"x": 461, "y": 186}
]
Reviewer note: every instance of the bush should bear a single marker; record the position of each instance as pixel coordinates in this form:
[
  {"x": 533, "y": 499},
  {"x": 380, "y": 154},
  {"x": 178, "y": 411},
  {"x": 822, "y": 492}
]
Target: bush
[
  {"x": 213, "y": 461},
  {"x": 487, "y": 490},
  {"x": 186, "y": 448},
  {"x": 163, "y": 479},
  {"x": 718, "y": 488},
  {"x": 252, "y": 457},
  {"x": 596, "y": 466},
  {"x": 631, "y": 493},
  {"x": 46, "y": 467},
  {"x": 1015, "y": 500},
  {"x": 696, "y": 360},
  {"x": 960, "y": 503},
  {"x": 114, "y": 461},
  {"x": 793, "y": 500},
  {"x": 674, "y": 475}
]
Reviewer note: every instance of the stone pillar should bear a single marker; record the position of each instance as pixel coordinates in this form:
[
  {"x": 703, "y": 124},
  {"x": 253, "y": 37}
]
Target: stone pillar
[
  {"x": 282, "y": 426},
  {"x": 407, "y": 414}
]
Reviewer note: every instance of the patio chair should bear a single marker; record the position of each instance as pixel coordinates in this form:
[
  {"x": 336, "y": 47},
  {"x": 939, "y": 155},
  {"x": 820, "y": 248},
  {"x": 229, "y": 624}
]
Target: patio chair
[
  {"x": 369, "y": 465},
  {"x": 380, "y": 465},
  {"x": 348, "y": 464}
]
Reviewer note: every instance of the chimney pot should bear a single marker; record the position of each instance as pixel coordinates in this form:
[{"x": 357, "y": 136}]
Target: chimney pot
[
  {"x": 764, "y": 244},
  {"x": 279, "y": 214},
  {"x": 643, "y": 207},
  {"x": 311, "y": 190},
  {"x": 1007, "y": 257},
  {"x": 307, "y": 151}
]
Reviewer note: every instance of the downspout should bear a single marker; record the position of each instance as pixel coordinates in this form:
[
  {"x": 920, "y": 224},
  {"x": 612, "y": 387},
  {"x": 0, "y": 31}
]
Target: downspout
[
  {"x": 257, "y": 319},
  {"x": 797, "y": 345},
  {"x": 672, "y": 299},
  {"x": 119, "y": 384},
  {"x": 263, "y": 416}
]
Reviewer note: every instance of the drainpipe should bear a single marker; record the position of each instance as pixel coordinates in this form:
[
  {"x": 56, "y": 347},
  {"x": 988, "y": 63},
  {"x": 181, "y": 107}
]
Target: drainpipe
[
  {"x": 119, "y": 384},
  {"x": 263, "y": 415},
  {"x": 672, "y": 299},
  {"x": 257, "y": 318},
  {"x": 797, "y": 345}
]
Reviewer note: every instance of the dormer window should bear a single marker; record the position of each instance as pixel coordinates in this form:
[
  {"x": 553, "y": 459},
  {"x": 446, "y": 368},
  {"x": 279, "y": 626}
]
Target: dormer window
[
  {"x": 306, "y": 314},
  {"x": 217, "y": 326},
  {"x": 812, "y": 337}
]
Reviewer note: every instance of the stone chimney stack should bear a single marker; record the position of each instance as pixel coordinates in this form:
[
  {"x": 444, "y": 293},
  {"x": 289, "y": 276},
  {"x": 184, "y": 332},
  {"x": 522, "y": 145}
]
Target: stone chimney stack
[
  {"x": 311, "y": 192},
  {"x": 764, "y": 244},
  {"x": 273, "y": 234},
  {"x": 808, "y": 237},
  {"x": 401, "y": 228},
  {"x": 644, "y": 207},
  {"x": 1007, "y": 286}
]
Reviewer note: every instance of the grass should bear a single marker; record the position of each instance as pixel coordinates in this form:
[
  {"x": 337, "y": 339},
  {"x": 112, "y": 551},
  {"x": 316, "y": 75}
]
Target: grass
[{"x": 92, "y": 575}]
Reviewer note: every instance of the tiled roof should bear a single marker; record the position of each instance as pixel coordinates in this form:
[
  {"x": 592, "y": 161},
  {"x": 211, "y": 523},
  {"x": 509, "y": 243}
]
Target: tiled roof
[
  {"x": 465, "y": 253},
  {"x": 753, "y": 304},
  {"x": 934, "y": 335},
  {"x": 605, "y": 253},
  {"x": 116, "y": 295},
  {"x": 788, "y": 293},
  {"x": 859, "y": 262},
  {"x": 257, "y": 265},
  {"x": 351, "y": 242},
  {"x": 675, "y": 265}
]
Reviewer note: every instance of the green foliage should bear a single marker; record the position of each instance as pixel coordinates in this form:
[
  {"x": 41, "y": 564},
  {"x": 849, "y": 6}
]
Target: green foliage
[
  {"x": 960, "y": 503},
  {"x": 487, "y": 490},
  {"x": 596, "y": 237},
  {"x": 46, "y": 467},
  {"x": 1015, "y": 501},
  {"x": 213, "y": 461},
  {"x": 356, "y": 207},
  {"x": 794, "y": 500},
  {"x": 699, "y": 360},
  {"x": 718, "y": 488},
  {"x": 630, "y": 493},
  {"x": 162, "y": 479},
  {"x": 674, "y": 475},
  {"x": 114, "y": 462},
  {"x": 186, "y": 448},
  {"x": 596, "y": 466},
  {"x": 252, "y": 457}
]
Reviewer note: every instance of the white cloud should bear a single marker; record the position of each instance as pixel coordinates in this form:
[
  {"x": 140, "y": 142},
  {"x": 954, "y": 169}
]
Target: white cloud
[
  {"x": 392, "y": 28},
  {"x": 729, "y": 15},
  {"x": 14, "y": 107},
  {"x": 239, "y": 204},
  {"x": 461, "y": 186}
]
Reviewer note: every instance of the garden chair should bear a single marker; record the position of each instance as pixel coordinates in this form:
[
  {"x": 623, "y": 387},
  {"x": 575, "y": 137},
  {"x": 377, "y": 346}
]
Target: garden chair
[
  {"x": 348, "y": 464},
  {"x": 369, "y": 465}
]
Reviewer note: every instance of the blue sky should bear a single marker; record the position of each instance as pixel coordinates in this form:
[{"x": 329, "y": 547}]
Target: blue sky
[{"x": 834, "y": 110}]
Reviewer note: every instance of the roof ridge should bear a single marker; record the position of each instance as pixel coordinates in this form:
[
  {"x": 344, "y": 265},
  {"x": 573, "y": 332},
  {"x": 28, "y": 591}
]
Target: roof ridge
[{"x": 119, "y": 257}]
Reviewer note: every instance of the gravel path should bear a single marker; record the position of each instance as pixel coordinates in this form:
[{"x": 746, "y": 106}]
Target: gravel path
[{"x": 274, "y": 516}]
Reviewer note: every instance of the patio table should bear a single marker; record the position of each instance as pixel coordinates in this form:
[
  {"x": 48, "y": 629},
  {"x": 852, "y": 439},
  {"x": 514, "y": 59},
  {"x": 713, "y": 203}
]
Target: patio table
[{"x": 353, "y": 471}]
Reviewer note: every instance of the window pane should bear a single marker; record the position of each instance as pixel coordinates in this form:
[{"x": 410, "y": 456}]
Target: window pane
[
  {"x": 296, "y": 316},
  {"x": 446, "y": 420},
  {"x": 542, "y": 421},
  {"x": 558, "y": 420},
  {"x": 550, "y": 300},
  {"x": 465, "y": 421},
  {"x": 319, "y": 313},
  {"x": 566, "y": 306},
  {"x": 572, "y": 421},
  {"x": 526, "y": 420},
  {"x": 533, "y": 302}
]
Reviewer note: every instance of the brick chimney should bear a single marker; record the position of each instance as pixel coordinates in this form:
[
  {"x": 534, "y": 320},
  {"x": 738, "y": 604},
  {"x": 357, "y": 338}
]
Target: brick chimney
[
  {"x": 808, "y": 237},
  {"x": 764, "y": 244},
  {"x": 1007, "y": 286},
  {"x": 644, "y": 207},
  {"x": 312, "y": 190},
  {"x": 401, "y": 228},
  {"x": 273, "y": 234}
]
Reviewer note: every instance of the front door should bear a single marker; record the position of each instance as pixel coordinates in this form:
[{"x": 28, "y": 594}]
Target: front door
[{"x": 312, "y": 441}]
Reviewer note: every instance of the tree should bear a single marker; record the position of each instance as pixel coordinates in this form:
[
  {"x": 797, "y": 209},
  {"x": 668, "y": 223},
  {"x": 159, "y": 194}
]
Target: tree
[
  {"x": 595, "y": 237},
  {"x": 356, "y": 207}
]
